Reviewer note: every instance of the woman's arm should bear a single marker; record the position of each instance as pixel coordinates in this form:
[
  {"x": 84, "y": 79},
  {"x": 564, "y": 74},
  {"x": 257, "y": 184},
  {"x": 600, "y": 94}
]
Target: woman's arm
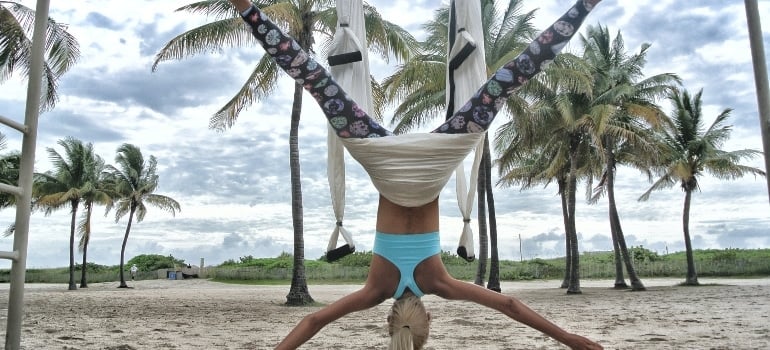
[
  {"x": 434, "y": 279},
  {"x": 310, "y": 325},
  {"x": 515, "y": 309}
]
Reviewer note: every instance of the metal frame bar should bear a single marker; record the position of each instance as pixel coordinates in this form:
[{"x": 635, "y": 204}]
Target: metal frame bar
[
  {"x": 24, "y": 198},
  {"x": 760, "y": 79}
]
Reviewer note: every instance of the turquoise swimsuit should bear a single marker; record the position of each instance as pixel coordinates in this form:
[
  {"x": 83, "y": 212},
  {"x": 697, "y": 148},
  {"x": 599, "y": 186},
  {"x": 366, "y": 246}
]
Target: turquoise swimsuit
[{"x": 406, "y": 251}]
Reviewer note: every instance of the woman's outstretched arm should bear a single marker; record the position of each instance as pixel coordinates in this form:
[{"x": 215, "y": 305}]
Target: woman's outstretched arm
[
  {"x": 433, "y": 278},
  {"x": 310, "y": 325},
  {"x": 450, "y": 288}
]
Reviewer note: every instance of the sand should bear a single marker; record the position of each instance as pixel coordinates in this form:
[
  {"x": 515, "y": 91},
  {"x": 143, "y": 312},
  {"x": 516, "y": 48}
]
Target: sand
[{"x": 199, "y": 314}]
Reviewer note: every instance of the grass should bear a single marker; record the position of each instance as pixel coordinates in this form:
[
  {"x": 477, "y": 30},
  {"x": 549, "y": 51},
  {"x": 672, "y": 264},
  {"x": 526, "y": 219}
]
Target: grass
[{"x": 354, "y": 268}]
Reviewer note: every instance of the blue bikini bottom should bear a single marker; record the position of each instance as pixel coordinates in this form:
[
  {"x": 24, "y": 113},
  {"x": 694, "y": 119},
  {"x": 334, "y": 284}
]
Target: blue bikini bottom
[{"x": 406, "y": 251}]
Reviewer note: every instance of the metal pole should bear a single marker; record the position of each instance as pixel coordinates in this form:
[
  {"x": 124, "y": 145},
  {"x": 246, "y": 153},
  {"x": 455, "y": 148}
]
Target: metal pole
[
  {"x": 760, "y": 79},
  {"x": 21, "y": 236}
]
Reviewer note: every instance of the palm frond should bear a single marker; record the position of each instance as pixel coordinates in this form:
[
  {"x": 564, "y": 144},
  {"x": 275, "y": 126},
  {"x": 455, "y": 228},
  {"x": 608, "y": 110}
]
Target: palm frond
[{"x": 209, "y": 38}]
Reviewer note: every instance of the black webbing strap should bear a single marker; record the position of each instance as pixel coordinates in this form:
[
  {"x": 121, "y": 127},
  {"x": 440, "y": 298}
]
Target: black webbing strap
[
  {"x": 457, "y": 61},
  {"x": 345, "y": 58}
]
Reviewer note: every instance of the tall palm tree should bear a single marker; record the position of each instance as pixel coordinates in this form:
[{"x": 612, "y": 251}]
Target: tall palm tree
[
  {"x": 689, "y": 150},
  {"x": 65, "y": 185},
  {"x": 621, "y": 135},
  {"x": 133, "y": 182},
  {"x": 302, "y": 20},
  {"x": 552, "y": 113},
  {"x": 419, "y": 88},
  {"x": 62, "y": 49},
  {"x": 95, "y": 192}
]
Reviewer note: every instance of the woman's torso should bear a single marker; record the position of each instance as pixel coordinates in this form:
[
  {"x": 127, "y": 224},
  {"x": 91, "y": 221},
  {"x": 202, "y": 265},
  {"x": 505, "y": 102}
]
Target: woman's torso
[{"x": 395, "y": 219}]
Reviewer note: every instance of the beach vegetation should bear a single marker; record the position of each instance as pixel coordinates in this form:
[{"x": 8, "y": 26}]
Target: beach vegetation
[{"x": 715, "y": 263}]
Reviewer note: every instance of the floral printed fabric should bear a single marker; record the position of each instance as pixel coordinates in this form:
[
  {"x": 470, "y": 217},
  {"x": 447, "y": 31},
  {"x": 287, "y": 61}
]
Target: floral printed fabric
[{"x": 350, "y": 121}]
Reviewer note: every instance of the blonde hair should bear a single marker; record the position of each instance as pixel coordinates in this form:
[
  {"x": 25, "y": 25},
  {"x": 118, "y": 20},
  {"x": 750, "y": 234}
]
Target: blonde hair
[{"x": 408, "y": 323}]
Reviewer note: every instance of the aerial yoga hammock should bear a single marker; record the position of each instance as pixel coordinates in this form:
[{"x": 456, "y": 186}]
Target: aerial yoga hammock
[
  {"x": 411, "y": 170},
  {"x": 466, "y": 70}
]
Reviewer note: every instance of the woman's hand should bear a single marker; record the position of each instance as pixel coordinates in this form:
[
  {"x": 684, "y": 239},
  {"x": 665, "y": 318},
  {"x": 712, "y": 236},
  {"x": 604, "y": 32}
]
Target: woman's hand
[{"x": 577, "y": 342}]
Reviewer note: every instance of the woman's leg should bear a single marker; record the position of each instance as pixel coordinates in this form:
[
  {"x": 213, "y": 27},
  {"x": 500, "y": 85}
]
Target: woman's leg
[
  {"x": 344, "y": 115},
  {"x": 477, "y": 114}
]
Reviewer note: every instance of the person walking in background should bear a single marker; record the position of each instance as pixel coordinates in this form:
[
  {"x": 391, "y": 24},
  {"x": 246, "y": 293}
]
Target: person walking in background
[{"x": 134, "y": 270}]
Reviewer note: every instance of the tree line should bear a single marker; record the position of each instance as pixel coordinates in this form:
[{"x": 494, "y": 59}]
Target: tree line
[
  {"x": 79, "y": 181},
  {"x": 587, "y": 113}
]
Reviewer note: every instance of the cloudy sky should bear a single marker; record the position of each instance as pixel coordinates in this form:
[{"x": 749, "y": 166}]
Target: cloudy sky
[{"x": 233, "y": 186}]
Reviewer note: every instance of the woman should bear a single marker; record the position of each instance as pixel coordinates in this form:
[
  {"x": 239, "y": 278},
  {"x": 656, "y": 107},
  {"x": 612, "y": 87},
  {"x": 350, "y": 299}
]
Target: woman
[{"x": 406, "y": 263}]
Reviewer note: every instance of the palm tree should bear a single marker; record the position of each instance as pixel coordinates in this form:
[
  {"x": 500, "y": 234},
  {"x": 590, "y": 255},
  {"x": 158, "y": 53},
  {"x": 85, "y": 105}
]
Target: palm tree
[
  {"x": 9, "y": 173},
  {"x": 621, "y": 136},
  {"x": 65, "y": 185},
  {"x": 93, "y": 193},
  {"x": 10, "y": 164},
  {"x": 688, "y": 150},
  {"x": 549, "y": 131},
  {"x": 133, "y": 182},
  {"x": 419, "y": 87},
  {"x": 62, "y": 49},
  {"x": 302, "y": 18}
]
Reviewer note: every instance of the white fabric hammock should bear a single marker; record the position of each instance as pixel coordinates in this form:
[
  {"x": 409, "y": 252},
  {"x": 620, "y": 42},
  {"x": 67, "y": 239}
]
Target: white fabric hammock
[
  {"x": 466, "y": 71},
  {"x": 350, "y": 37},
  {"x": 411, "y": 170}
]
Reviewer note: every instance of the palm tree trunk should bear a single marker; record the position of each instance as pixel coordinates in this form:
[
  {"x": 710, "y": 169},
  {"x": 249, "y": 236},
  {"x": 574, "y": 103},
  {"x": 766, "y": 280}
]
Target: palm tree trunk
[
  {"x": 692, "y": 276},
  {"x": 620, "y": 281},
  {"x": 83, "y": 267},
  {"x": 494, "y": 259},
  {"x": 72, "y": 285},
  {"x": 574, "y": 268},
  {"x": 482, "y": 218},
  {"x": 298, "y": 292},
  {"x": 636, "y": 283},
  {"x": 86, "y": 238},
  {"x": 617, "y": 232},
  {"x": 123, "y": 247},
  {"x": 565, "y": 218}
]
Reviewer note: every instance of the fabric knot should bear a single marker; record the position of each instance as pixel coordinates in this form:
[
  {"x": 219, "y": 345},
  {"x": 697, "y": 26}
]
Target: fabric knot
[
  {"x": 466, "y": 220},
  {"x": 339, "y": 223}
]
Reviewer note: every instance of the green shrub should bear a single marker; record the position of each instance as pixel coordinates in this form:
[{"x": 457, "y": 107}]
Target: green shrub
[
  {"x": 642, "y": 254},
  {"x": 152, "y": 262}
]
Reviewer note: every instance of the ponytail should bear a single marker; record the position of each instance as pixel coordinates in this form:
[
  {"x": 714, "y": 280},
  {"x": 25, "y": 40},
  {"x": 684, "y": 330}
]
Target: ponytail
[
  {"x": 408, "y": 323},
  {"x": 402, "y": 339}
]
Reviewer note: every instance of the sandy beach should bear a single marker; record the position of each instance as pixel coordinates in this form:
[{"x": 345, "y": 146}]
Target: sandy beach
[{"x": 199, "y": 314}]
